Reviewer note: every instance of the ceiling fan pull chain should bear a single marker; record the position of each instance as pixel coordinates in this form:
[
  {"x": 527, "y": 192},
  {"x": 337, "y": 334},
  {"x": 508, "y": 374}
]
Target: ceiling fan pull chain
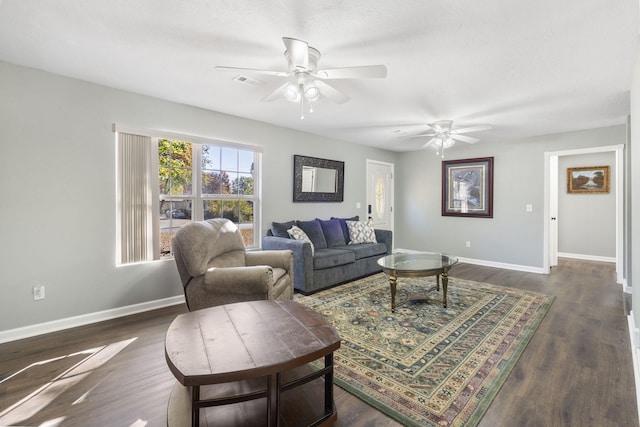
[{"x": 301, "y": 104}]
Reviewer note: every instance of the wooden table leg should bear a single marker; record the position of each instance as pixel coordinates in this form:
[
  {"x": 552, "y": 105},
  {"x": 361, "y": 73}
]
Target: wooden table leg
[
  {"x": 393, "y": 283},
  {"x": 328, "y": 385},
  {"x": 195, "y": 408},
  {"x": 445, "y": 282}
]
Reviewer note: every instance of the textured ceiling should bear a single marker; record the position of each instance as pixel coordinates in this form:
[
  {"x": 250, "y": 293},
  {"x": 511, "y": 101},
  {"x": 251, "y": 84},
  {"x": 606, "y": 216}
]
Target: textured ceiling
[{"x": 527, "y": 68}]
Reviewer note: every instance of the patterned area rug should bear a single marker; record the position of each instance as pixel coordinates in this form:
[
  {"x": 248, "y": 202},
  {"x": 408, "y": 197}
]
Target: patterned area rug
[{"x": 426, "y": 365}]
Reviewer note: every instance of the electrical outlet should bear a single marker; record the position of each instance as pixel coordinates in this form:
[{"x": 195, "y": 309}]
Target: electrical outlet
[
  {"x": 38, "y": 292},
  {"x": 468, "y": 243}
]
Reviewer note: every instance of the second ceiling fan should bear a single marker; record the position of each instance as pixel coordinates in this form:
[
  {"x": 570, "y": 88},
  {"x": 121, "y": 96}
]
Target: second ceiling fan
[
  {"x": 443, "y": 135},
  {"x": 305, "y": 83}
]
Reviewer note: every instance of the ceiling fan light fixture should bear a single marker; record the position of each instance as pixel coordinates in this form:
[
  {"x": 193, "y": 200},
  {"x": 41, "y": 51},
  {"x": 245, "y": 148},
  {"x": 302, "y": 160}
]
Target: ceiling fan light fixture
[
  {"x": 447, "y": 142},
  {"x": 292, "y": 92},
  {"x": 311, "y": 91}
]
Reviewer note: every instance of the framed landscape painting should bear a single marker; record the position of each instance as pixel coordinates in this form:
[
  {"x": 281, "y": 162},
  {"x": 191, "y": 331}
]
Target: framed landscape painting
[
  {"x": 467, "y": 187},
  {"x": 588, "y": 179}
]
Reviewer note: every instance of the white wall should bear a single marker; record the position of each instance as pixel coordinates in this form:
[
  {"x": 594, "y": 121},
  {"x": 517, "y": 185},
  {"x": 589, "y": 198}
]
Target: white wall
[
  {"x": 513, "y": 236},
  {"x": 587, "y": 222},
  {"x": 57, "y": 189}
]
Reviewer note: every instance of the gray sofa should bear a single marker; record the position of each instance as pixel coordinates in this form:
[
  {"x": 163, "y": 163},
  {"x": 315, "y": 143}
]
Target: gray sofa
[{"x": 334, "y": 260}]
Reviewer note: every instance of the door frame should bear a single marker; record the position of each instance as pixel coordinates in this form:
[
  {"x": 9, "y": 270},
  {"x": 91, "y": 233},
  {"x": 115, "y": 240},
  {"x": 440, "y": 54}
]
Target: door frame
[
  {"x": 551, "y": 203},
  {"x": 392, "y": 190}
]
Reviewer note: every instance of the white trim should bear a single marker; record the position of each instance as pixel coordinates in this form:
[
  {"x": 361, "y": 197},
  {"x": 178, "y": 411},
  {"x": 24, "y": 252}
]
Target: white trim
[
  {"x": 587, "y": 257},
  {"x": 634, "y": 336},
  {"x": 85, "y": 319},
  {"x": 619, "y": 188},
  {"x": 516, "y": 267}
]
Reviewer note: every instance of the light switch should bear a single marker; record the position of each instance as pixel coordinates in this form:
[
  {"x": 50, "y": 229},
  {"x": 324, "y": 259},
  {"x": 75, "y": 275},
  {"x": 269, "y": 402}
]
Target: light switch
[
  {"x": 357, "y": 205},
  {"x": 529, "y": 207}
]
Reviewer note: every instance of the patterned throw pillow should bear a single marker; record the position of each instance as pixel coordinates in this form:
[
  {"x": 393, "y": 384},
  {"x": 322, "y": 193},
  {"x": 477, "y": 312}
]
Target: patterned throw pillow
[
  {"x": 361, "y": 232},
  {"x": 298, "y": 234}
]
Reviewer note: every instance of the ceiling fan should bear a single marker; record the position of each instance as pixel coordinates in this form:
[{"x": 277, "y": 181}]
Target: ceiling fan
[
  {"x": 444, "y": 135},
  {"x": 305, "y": 83}
]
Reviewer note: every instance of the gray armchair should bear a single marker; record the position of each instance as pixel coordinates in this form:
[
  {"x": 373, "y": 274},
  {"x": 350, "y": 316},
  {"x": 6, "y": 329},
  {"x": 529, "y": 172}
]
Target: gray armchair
[{"x": 215, "y": 268}]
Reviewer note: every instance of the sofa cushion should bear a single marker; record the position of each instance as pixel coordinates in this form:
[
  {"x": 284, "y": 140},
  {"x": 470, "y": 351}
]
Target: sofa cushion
[
  {"x": 366, "y": 250},
  {"x": 343, "y": 225},
  {"x": 279, "y": 229},
  {"x": 314, "y": 231},
  {"x": 298, "y": 234},
  {"x": 327, "y": 258},
  {"x": 361, "y": 232},
  {"x": 332, "y": 232}
]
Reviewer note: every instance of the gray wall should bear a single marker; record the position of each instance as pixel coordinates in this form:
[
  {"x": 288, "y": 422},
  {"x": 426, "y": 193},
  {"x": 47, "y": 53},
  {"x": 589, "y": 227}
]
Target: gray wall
[
  {"x": 57, "y": 186},
  {"x": 587, "y": 222},
  {"x": 512, "y": 236}
]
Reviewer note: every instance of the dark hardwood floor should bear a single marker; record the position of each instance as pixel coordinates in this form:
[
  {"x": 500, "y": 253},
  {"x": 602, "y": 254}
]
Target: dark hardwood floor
[{"x": 576, "y": 371}]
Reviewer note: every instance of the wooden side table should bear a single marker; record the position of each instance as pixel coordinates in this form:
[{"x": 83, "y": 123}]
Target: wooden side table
[{"x": 244, "y": 342}]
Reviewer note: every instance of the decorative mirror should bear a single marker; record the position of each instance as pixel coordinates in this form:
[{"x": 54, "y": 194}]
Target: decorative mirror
[{"x": 317, "y": 180}]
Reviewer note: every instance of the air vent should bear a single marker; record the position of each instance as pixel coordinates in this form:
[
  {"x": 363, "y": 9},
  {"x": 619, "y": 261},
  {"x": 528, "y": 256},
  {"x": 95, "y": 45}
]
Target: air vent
[{"x": 249, "y": 81}]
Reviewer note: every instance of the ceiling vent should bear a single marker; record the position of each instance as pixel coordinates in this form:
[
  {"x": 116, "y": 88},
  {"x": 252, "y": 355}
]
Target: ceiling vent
[{"x": 249, "y": 81}]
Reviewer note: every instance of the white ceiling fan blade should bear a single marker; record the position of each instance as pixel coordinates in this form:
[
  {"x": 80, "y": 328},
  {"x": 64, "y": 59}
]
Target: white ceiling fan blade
[
  {"x": 361, "y": 72},
  {"x": 298, "y": 56},
  {"x": 476, "y": 128},
  {"x": 464, "y": 138},
  {"x": 422, "y": 135},
  {"x": 254, "y": 71},
  {"x": 331, "y": 93},
  {"x": 275, "y": 94},
  {"x": 429, "y": 142}
]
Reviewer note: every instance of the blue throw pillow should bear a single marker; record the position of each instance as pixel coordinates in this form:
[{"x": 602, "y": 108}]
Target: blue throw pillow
[
  {"x": 314, "y": 231},
  {"x": 279, "y": 229},
  {"x": 332, "y": 232},
  {"x": 343, "y": 225}
]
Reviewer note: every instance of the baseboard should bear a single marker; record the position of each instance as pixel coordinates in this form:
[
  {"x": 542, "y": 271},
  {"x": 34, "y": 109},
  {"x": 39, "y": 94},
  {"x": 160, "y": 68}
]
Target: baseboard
[
  {"x": 516, "y": 267},
  {"x": 85, "y": 319},
  {"x": 634, "y": 335},
  {"x": 587, "y": 257}
]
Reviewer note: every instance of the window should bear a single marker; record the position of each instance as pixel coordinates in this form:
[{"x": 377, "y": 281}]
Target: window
[{"x": 189, "y": 179}]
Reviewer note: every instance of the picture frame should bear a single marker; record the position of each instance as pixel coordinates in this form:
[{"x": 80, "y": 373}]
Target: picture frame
[
  {"x": 467, "y": 187},
  {"x": 588, "y": 180}
]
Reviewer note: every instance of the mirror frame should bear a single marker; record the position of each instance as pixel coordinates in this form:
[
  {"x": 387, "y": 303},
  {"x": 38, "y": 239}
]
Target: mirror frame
[{"x": 300, "y": 196}]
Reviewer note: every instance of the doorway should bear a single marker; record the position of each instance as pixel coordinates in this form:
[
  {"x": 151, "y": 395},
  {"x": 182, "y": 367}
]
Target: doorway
[
  {"x": 550, "y": 252},
  {"x": 380, "y": 194}
]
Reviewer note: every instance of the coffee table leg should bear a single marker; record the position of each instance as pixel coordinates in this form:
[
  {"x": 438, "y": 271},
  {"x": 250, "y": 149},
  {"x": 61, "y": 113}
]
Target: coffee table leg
[
  {"x": 392, "y": 283},
  {"x": 445, "y": 282}
]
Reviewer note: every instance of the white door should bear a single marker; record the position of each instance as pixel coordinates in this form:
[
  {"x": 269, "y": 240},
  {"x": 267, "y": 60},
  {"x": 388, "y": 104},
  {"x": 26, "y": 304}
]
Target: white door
[{"x": 380, "y": 194}]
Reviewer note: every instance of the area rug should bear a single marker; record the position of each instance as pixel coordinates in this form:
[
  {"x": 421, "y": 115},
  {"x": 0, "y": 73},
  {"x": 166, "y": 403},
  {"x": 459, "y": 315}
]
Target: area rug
[{"x": 426, "y": 365}]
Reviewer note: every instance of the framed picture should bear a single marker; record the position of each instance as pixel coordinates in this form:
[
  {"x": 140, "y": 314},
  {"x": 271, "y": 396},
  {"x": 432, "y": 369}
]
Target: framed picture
[
  {"x": 588, "y": 179},
  {"x": 467, "y": 187}
]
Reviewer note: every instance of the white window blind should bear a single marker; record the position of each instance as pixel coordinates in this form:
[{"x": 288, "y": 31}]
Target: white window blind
[{"x": 135, "y": 204}]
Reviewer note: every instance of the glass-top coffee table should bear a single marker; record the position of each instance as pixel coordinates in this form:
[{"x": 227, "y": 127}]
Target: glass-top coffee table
[{"x": 418, "y": 264}]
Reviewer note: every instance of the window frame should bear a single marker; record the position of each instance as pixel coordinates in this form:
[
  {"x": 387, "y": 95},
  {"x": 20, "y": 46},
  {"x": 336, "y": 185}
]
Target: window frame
[{"x": 196, "y": 197}]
